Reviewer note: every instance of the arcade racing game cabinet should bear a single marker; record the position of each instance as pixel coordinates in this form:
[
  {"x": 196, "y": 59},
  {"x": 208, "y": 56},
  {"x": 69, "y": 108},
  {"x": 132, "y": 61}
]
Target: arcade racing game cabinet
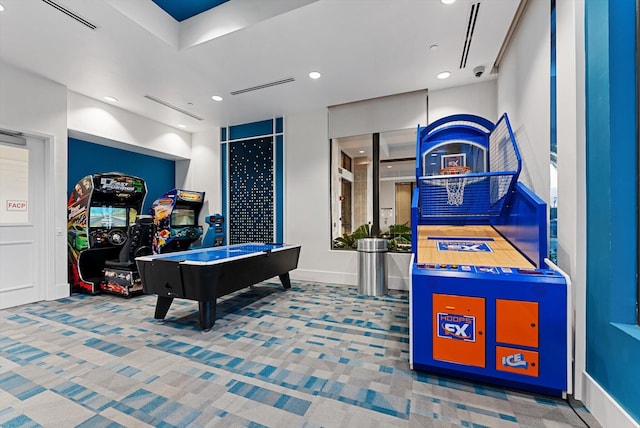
[
  {"x": 483, "y": 305},
  {"x": 99, "y": 212},
  {"x": 176, "y": 217}
]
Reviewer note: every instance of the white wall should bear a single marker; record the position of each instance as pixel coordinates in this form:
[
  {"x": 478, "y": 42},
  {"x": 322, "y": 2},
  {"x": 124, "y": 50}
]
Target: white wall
[
  {"x": 479, "y": 99},
  {"x": 402, "y": 111},
  {"x": 308, "y": 207},
  {"x": 37, "y": 106},
  {"x": 570, "y": 81},
  {"x": 524, "y": 93},
  {"x": 103, "y": 123},
  {"x": 203, "y": 172}
]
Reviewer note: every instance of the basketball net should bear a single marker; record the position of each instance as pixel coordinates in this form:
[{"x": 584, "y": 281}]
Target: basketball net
[{"x": 455, "y": 185}]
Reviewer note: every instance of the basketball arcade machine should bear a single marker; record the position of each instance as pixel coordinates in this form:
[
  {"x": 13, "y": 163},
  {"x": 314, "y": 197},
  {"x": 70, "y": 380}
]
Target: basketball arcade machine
[
  {"x": 99, "y": 212},
  {"x": 483, "y": 305},
  {"x": 176, "y": 217}
]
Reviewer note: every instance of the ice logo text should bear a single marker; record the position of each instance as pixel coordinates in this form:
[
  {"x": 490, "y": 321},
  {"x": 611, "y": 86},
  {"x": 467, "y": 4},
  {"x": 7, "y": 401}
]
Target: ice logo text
[{"x": 515, "y": 360}]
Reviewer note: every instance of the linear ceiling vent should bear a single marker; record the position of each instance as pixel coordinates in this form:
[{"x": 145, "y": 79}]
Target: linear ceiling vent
[
  {"x": 266, "y": 85},
  {"x": 171, "y": 106},
  {"x": 71, "y": 14},
  {"x": 471, "y": 26}
]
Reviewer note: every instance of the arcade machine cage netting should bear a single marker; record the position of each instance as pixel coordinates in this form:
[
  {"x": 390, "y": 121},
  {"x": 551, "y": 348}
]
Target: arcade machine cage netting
[{"x": 471, "y": 190}]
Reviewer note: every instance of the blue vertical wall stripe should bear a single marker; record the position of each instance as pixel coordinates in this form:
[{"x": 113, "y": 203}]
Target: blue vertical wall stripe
[
  {"x": 86, "y": 158},
  {"x": 223, "y": 134},
  {"x": 611, "y": 120},
  {"x": 279, "y": 171},
  {"x": 224, "y": 188},
  {"x": 253, "y": 129},
  {"x": 279, "y": 125}
]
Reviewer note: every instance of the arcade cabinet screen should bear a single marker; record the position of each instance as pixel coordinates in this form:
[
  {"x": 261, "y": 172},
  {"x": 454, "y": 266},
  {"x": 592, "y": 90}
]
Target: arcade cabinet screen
[
  {"x": 108, "y": 217},
  {"x": 182, "y": 216}
]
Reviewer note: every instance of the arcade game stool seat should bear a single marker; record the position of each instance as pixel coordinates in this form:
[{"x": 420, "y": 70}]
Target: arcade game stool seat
[{"x": 121, "y": 276}]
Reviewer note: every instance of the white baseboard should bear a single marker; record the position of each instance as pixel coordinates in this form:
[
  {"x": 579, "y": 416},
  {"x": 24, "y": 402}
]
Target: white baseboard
[
  {"x": 603, "y": 407},
  {"x": 58, "y": 291},
  {"x": 324, "y": 276},
  {"x": 394, "y": 283}
]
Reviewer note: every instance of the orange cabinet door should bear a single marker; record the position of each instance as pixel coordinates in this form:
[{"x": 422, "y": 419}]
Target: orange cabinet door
[
  {"x": 517, "y": 322},
  {"x": 459, "y": 329}
]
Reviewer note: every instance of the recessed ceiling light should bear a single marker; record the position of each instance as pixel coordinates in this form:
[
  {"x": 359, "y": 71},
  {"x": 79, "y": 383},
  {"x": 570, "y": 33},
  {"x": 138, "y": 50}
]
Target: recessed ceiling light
[
  {"x": 448, "y": 1},
  {"x": 433, "y": 47},
  {"x": 182, "y": 126},
  {"x": 216, "y": 98},
  {"x": 1, "y": 8},
  {"x": 443, "y": 75},
  {"x": 110, "y": 99},
  {"x": 315, "y": 75},
  {"x": 389, "y": 166},
  {"x": 361, "y": 151}
]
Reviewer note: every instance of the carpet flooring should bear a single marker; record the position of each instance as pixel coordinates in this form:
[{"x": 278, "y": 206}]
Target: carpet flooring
[{"x": 317, "y": 355}]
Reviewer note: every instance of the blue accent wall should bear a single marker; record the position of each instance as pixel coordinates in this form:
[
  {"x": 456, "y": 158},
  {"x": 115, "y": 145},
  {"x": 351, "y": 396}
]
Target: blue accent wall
[
  {"x": 253, "y": 129},
  {"x": 613, "y": 337},
  {"x": 88, "y": 158},
  {"x": 224, "y": 189}
]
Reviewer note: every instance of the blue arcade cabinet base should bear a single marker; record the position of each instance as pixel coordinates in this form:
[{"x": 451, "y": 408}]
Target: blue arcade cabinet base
[{"x": 499, "y": 325}]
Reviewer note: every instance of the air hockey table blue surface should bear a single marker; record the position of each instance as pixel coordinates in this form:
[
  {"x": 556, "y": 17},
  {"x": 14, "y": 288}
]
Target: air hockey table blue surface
[{"x": 205, "y": 274}]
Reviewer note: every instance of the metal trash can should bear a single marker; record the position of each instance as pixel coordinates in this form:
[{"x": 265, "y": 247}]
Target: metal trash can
[{"x": 372, "y": 266}]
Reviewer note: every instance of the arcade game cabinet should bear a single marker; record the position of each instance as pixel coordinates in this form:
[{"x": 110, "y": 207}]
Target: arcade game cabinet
[
  {"x": 99, "y": 212},
  {"x": 483, "y": 304},
  {"x": 176, "y": 217},
  {"x": 215, "y": 233}
]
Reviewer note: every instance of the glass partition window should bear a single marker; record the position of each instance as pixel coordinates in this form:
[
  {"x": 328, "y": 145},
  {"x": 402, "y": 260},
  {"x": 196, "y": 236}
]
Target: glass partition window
[
  {"x": 357, "y": 187},
  {"x": 14, "y": 185}
]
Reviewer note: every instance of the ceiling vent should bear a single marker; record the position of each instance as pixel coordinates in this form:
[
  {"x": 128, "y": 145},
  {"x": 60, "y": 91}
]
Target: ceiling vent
[
  {"x": 71, "y": 14},
  {"x": 266, "y": 85},
  {"x": 171, "y": 106},
  {"x": 471, "y": 25}
]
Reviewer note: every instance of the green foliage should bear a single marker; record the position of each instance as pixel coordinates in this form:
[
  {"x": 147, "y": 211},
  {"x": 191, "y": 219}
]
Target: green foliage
[
  {"x": 350, "y": 240},
  {"x": 398, "y": 237}
]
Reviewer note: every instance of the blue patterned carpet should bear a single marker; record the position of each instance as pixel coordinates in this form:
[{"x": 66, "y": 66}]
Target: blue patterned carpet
[{"x": 317, "y": 355}]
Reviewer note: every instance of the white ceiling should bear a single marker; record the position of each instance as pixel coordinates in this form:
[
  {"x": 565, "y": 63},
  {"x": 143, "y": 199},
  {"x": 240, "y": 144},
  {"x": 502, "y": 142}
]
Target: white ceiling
[{"x": 363, "y": 48}]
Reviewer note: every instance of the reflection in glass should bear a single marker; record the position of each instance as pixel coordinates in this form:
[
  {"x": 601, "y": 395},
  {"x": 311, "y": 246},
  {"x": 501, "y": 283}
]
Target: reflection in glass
[{"x": 352, "y": 194}]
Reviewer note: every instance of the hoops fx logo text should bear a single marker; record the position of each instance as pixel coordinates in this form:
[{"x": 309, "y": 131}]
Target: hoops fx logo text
[{"x": 457, "y": 327}]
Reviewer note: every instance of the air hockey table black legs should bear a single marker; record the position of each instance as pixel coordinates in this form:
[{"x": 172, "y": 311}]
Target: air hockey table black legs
[
  {"x": 207, "y": 314},
  {"x": 162, "y": 307},
  {"x": 284, "y": 279}
]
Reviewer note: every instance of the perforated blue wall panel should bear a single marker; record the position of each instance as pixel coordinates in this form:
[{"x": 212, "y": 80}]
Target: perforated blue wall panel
[{"x": 251, "y": 198}]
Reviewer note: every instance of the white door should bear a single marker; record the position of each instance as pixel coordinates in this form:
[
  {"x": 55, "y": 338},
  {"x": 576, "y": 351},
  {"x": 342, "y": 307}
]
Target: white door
[{"x": 22, "y": 213}]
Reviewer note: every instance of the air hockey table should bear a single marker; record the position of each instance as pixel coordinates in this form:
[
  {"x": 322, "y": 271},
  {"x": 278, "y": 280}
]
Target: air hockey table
[{"x": 205, "y": 274}]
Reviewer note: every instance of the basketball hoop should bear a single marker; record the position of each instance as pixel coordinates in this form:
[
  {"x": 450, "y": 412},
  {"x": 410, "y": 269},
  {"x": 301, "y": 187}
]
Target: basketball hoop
[{"x": 455, "y": 185}]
